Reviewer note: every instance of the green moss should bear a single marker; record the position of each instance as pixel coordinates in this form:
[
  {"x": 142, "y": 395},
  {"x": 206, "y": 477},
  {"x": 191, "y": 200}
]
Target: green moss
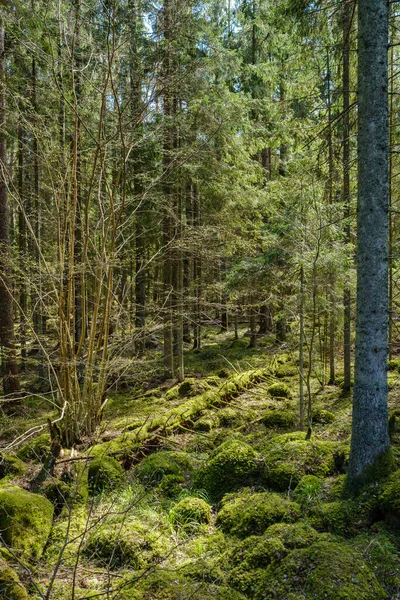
[
  {"x": 323, "y": 417},
  {"x": 389, "y": 499},
  {"x": 127, "y": 542},
  {"x": 105, "y": 473},
  {"x": 279, "y": 390},
  {"x": 279, "y": 418},
  {"x": 394, "y": 365},
  {"x": 308, "y": 490},
  {"x": 249, "y": 513},
  {"x": 249, "y": 559},
  {"x": 192, "y": 387},
  {"x": 342, "y": 517},
  {"x": 325, "y": 570},
  {"x": 11, "y": 465},
  {"x": 25, "y": 520},
  {"x": 286, "y": 370},
  {"x": 190, "y": 512},
  {"x": 380, "y": 553},
  {"x": 207, "y": 422},
  {"x": 230, "y": 466},
  {"x": 289, "y": 457},
  {"x": 10, "y": 586},
  {"x": 37, "y": 449},
  {"x": 58, "y": 492},
  {"x": 154, "y": 467},
  {"x": 293, "y": 535},
  {"x": 171, "y": 485}
]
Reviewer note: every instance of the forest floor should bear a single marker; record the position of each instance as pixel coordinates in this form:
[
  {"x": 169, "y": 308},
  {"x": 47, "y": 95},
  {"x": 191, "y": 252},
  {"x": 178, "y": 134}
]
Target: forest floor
[{"x": 201, "y": 490}]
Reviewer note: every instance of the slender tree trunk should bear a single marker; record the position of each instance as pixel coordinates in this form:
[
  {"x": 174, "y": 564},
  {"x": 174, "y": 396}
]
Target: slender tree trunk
[
  {"x": 7, "y": 340},
  {"x": 301, "y": 351},
  {"x": 23, "y": 293},
  {"x": 370, "y": 436},
  {"x": 346, "y": 188},
  {"x": 332, "y": 307},
  {"x": 391, "y": 215}
]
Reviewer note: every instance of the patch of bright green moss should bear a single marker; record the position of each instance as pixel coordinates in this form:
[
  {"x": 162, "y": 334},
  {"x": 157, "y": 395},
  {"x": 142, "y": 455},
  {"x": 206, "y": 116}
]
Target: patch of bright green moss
[
  {"x": 25, "y": 520},
  {"x": 230, "y": 466},
  {"x": 284, "y": 419},
  {"x": 37, "y": 449},
  {"x": 325, "y": 570},
  {"x": 279, "y": 390},
  {"x": 190, "y": 512},
  {"x": 11, "y": 465},
  {"x": 293, "y": 535},
  {"x": 289, "y": 457},
  {"x": 342, "y": 517},
  {"x": 251, "y": 514},
  {"x": 154, "y": 467},
  {"x": 308, "y": 490},
  {"x": 105, "y": 473},
  {"x": 322, "y": 416},
  {"x": 11, "y": 587}
]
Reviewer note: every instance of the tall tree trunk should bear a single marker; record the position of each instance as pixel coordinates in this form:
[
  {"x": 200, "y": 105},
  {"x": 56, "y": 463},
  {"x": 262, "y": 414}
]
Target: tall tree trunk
[
  {"x": 7, "y": 340},
  {"x": 346, "y": 189},
  {"x": 370, "y": 436},
  {"x": 23, "y": 293}
]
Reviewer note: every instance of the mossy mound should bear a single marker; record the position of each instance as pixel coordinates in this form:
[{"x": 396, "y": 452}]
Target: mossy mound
[
  {"x": 248, "y": 560},
  {"x": 251, "y": 514},
  {"x": 230, "y": 466},
  {"x": 286, "y": 370},
  {"x": 289, "y": 457},
  {"x": 37, "y": 449},
  {"x": 171, "y": 485},
  {"x": 284, "y": 419},
  {"x": 279, "y": 390},
  {"x": 293, "y": 535},
  {"x": 154, "y": 467},
  {"x": 11, "y": 465},
  {"x": 308, "y": 490},
  {"x": 342, "y": 517},
  {"x": 235, "y": 417},
  {"x": 380, "y": 552},
  {"x": 10, "y": 586},
  {"x": 325, "y": 570},
  {"x": 166, "y": 585},
  {"x": 190, "y": 512},
  {"x": 192, "y": 387},
  {"x": 207, "y": 422},
  {"x": 127, "y": 542},
  {"x": 389, "y": 500},
  {"x": 25, "y": 521},
  {"x": 322, "y": 416},
  {"x": 105, "y": 473}
]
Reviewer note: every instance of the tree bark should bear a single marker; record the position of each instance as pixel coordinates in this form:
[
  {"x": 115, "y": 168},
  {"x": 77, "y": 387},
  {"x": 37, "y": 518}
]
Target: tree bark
[
  {"x": 7, "y": 340},
  {"x": 370, "y": 435}
]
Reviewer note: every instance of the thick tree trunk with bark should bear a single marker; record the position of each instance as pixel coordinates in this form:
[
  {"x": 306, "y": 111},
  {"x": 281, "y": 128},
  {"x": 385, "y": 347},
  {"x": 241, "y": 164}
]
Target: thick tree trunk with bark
[{"x": 370, "y": 437}]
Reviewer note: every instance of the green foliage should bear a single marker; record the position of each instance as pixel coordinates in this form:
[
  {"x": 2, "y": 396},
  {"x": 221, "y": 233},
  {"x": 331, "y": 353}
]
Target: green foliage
[
  {"x": 308, "y": 490},
  {"x": 248, "y": 513},
  {"x": 105, "y": 473},
  {"x": 286, "y": 370},
  {"x": 58, "y": 492},
  {"x": 10, "y": 586},
  {"x": 389, "y": 500},
  {"x": 279, "y": 390},
  {"x": 190, "y": 512},
  {"x": 25, "y": 521},
  {"x": 288, "y": 457},
  {"x": 230, "y": 466},
  {"x": 342, "y": 517},
  {"x": 324, "y": 417},
  {"x": 326, "y": 569}
]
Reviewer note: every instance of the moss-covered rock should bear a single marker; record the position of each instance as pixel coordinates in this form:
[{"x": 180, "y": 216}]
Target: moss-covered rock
[
  {"x": 293, "y": 535},
  {"x": 284, "y": 419},
  {"x": 279, "y": 390},
  {"x": 322, "y": 416},
  {"x": 230, "y": 466},
  {"x": 36, "y": 449},
  {"x": 207, "y": 422},
  {"x": 342, "y": 517},
  {"x": 289, "y": 457},
  {"x": 25, "y": 521},
  {"x": 248, "y": 560},
  {"x": 325, "y": 570},
  {"x": 167, "y": 585},
  {"x": 11, "y": 587},
  {"x": 192, "y": 387},
  {"x": 251, "y": 514},
  {"x": 105, "y": 473},
  {"x": 389, "y": 500},
  {"x": 11, "y": 465},
  {"x": 379, "y": 550},
  {"x": 58, "y": 492},
  {"x": 154, "y": 467},
  {"x": 127, "y": 542},
  {"x": 286, "y": 370},
  {"x": 308, "y": 490},
  {"x": 171, "y": 485},
  {"x": 190, "y": 512}
]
